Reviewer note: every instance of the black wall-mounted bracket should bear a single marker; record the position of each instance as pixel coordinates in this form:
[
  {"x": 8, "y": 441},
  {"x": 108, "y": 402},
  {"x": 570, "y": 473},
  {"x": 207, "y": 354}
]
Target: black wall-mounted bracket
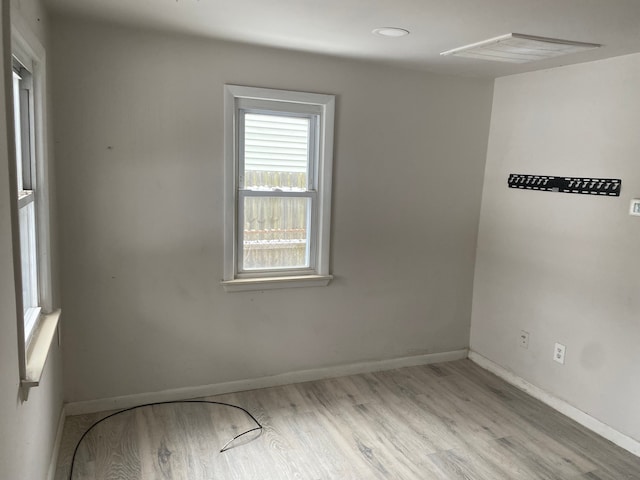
[{"x": 587, "y": 186}]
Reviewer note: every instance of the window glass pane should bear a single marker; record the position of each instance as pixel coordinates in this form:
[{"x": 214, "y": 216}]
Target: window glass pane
[
  {"x": 17, "y": 122},
  {"x": 28, "y": 256},
  {"x": 275, "y": 232},
  {"x": 276, "y": 152}
]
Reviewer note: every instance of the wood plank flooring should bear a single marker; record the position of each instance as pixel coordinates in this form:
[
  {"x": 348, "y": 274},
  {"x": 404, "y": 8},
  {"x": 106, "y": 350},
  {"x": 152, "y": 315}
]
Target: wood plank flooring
[{"x": 447, "y": 421}]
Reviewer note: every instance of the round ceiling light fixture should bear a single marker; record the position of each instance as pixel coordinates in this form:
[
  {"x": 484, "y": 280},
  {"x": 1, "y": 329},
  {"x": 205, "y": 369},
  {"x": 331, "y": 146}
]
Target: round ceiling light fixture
[{"x": 390, "y": 32}]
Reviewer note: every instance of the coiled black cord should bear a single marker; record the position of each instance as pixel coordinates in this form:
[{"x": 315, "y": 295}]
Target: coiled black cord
[{"x": 223, "y": 449}]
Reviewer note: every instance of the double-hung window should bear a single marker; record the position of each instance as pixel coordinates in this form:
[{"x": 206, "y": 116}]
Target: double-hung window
[
  {"x": 23, "y": 115},
  {"x": 278, "y": 149},
  {"x": 37, "y": 321}
]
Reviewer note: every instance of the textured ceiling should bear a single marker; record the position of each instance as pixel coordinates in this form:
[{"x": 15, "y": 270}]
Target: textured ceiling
[{"x": 343, "y": 27}]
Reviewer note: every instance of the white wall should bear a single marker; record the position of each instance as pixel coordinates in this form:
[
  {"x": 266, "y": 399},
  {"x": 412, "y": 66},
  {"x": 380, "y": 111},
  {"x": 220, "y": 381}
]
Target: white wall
[
  {"x": 140, "y": 167},
  {"x": 564, "y": 267},
  {"x": 27, "y": 429}
]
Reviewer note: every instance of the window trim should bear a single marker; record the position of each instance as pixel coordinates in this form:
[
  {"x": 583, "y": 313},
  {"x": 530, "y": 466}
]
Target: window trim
[
  {"x": 33, "y": 352},
  {"x": 264, "y": 99}
]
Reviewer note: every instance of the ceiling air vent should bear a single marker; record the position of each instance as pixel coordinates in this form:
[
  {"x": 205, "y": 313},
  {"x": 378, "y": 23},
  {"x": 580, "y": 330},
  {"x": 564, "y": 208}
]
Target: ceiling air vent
[{"x": 519, "y": 48}]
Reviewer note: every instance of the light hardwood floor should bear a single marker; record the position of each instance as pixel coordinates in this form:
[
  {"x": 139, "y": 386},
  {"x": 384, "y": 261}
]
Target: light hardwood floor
[{"x": 447, "y": 421}]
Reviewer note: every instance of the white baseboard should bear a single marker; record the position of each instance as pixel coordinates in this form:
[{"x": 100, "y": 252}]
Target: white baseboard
[
  {"x": 53, "y": 463},
  {"x": 561, "y": 406},
  {"x": 127, "y": 401}
]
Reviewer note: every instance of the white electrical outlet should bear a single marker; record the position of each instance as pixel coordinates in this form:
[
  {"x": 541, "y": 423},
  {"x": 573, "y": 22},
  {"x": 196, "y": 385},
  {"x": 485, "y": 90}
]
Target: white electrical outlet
[
  {"x": 524, "y": 339},
  {"x": 558, "y": 353}
]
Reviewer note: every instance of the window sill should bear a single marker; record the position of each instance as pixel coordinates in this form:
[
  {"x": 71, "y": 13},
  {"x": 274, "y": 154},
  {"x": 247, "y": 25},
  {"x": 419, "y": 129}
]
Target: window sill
[
  {"x": 39, "y": 349},
  {"x": 248, "y": 284}
]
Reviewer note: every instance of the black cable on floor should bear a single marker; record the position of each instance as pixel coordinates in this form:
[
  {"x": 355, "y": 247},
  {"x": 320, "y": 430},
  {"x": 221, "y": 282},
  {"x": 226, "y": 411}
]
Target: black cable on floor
[{"x": 223, "y": 449}]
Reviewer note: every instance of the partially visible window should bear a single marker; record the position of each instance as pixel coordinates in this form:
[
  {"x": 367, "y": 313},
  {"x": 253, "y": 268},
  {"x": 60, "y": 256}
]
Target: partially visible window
[
  {"x": 278, "y": 181},
  {"x": 36, "y": 319},
  {"x": 23, "y": 109}
]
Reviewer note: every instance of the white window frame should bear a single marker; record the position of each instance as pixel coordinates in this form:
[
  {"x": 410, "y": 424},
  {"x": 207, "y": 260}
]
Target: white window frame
[
  {"x": 27, "y": 186},
  {"x": 320, "y": 108},
  {"x": 34, "y": 348}
]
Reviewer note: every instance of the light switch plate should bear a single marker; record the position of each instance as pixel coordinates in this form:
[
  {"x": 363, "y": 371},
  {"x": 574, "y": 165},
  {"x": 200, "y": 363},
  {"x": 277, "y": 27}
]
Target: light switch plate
[{"x": 634, "y": 208}]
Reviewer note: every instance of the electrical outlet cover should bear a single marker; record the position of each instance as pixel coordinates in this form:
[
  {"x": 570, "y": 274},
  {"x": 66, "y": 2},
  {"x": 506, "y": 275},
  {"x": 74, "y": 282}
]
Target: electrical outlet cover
[{"x": 559, "y": 352}]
